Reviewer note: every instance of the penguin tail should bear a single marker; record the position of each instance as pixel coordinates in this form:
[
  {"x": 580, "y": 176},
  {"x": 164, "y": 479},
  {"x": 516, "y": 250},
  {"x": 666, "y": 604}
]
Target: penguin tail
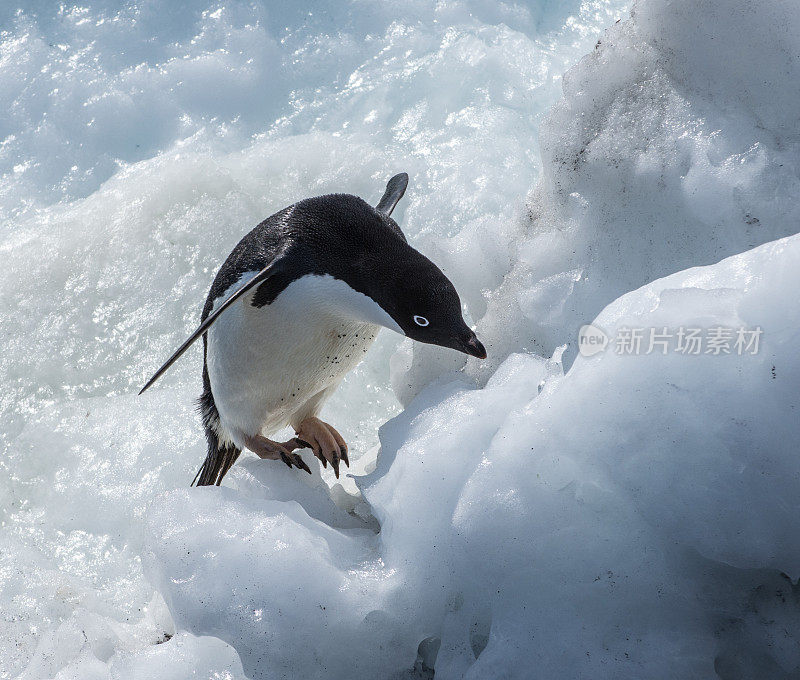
[{"x": 220, "y": 457}]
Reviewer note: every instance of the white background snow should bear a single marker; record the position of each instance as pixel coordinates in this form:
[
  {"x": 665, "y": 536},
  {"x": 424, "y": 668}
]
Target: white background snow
[{"x": 536, "y": 515}]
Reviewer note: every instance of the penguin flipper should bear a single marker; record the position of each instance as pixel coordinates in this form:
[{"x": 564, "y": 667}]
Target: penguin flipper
[
  {"x": 395, "y": 189},
  {"x": 271, "y": 269}
]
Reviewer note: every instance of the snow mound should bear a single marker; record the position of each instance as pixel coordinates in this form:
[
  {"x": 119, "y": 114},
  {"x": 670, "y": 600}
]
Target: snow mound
[
  {"x": 638, "y": 511},
  {"x": 676, "y": 144}
]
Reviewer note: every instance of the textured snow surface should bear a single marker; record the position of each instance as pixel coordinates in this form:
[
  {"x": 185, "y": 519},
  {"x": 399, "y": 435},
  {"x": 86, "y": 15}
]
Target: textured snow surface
[
  {"x": 634, "y": 517},
  {"x": 638, "y": 512}
]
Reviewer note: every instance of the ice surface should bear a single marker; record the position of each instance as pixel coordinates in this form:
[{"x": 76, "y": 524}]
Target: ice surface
[
  {"x": 634, "y": 515},
  {"x": 639, "y": 511},
  {"x": 172, "y": 658},
  {"x": 673, "y": 146}
]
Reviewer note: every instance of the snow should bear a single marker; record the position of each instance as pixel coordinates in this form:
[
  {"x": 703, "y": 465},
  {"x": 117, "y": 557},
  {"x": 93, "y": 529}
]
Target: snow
[
  {"x": 648, "y": 168},
  {"x": 599, "y": 550},
  {"x": 541, "y": 513}
]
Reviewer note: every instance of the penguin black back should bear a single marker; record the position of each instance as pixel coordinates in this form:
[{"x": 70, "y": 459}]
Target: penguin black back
[{"x": 338, "y": 235}]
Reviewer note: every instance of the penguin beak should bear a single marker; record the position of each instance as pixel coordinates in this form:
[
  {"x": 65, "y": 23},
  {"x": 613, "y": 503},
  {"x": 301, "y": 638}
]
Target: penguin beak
[{"x": 474, "y": 347}]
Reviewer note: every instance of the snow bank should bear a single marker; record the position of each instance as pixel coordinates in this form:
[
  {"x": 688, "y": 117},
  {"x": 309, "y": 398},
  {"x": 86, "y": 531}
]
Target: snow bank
[
  {"x": 638, "y": 513},
  {"x": 675, "y": 145}
]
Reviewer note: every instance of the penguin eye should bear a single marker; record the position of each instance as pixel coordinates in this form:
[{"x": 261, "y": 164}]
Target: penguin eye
[{"x": 420, "y": 320}]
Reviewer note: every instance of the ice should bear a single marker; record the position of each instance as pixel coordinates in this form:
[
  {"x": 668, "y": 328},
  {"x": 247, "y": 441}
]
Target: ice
[
  {"x": 173, "y": 658},
  {"x": 534, "y": 514},
  {"x": 607, "y": 526},
  {"x": 664, "y": 153}
]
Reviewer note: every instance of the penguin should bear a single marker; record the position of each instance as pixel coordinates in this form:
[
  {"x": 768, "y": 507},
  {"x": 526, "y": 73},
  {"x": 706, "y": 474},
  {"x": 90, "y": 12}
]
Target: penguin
[{"x": 294, "y": 308}]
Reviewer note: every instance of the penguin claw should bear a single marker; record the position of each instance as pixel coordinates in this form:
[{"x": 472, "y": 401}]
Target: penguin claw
[
  {"x": 316, "y": 450},
  {"x": 294, "y": 460},
  {"x": 270, "y": 450},
  {"x": 326, "y": 443},
  {"x": 299, "y": 462}
]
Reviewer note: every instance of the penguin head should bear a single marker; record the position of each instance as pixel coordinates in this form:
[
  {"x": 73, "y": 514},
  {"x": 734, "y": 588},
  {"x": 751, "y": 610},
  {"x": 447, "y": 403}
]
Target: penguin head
[
  {"x": 425, "y": 305},
  {"x": 416, "y": 294}
]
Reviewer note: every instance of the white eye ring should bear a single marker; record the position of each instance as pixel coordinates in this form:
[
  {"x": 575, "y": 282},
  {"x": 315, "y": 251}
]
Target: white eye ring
[{"x": 421, "y": 320}]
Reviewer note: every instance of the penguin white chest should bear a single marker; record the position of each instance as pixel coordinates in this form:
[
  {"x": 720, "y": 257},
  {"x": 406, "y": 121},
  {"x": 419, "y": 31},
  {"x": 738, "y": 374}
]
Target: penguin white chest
[{"x": 267, "y": 363}]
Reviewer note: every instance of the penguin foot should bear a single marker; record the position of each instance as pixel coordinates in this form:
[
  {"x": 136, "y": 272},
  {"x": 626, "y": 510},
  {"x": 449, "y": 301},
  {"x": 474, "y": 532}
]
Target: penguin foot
[
  {"x": 326, "y": 443},
  {"x": 270, "y": 450}
]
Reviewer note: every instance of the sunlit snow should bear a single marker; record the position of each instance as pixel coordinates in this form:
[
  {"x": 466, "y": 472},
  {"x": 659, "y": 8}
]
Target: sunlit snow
[{"x": 541, "y": 514}]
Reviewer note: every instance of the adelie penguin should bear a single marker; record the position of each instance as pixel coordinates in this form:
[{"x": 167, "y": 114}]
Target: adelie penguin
[{"x": 295, "y": 307}]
